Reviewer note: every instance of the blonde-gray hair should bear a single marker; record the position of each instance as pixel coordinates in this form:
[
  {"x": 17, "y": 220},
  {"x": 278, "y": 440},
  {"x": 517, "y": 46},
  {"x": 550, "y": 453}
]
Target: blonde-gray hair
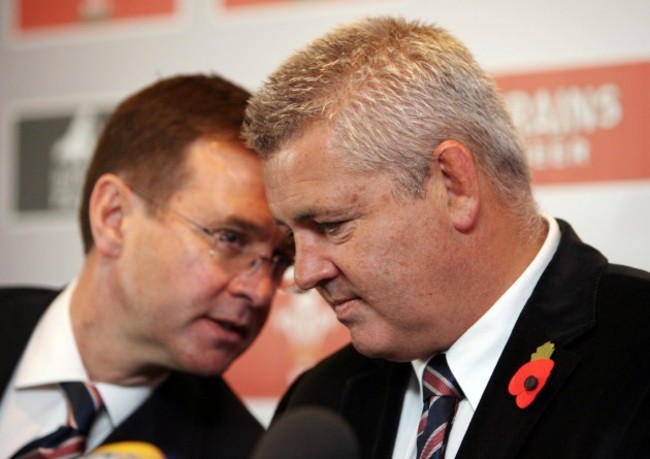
[{"x": 391, "y": 90}]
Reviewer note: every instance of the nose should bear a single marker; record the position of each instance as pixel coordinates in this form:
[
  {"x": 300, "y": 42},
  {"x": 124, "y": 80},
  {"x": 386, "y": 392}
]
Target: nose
[
  {"x": 257, "y": 286},
  {"x": 312, "y": 266}
]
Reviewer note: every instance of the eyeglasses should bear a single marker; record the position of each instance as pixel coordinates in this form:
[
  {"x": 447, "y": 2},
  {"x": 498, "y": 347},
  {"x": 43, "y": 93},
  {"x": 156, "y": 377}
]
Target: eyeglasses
[{"x": 233, "y": 249}]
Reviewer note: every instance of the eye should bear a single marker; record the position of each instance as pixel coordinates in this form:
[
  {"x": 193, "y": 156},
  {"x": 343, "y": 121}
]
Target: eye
[
  {"x": 285, "y": 257},
  {"x": 229, "y": 241},
  {"x": 329, "y": 228},
  {"x": 280, "y": 263},
  {"x": 288, "y": 246}
]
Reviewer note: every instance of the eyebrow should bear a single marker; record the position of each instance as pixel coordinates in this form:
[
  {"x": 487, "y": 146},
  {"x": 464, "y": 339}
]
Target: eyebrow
[
  {"x": 308, "y": 214},
  {"x": 303, "y": 216},
  {"x": 242, "y": 224},
  {"x": 312, "y": 213}
]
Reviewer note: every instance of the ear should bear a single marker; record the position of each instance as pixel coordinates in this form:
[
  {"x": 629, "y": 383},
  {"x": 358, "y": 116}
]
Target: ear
[
  {"x": 108, "y": 204},
  {"x": 461, "y": 183}
]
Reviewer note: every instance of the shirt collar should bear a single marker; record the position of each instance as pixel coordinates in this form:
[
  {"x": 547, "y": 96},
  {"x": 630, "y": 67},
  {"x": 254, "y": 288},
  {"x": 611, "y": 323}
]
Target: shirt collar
[
  {"x": 52, "y": 356},
  {"x": 473, "y": 357}
]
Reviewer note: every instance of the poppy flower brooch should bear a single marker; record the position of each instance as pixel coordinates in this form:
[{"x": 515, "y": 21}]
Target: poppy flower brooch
[{"x": 532, "y": 376}]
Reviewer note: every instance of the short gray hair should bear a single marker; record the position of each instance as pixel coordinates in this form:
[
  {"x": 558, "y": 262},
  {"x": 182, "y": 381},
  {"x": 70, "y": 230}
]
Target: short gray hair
[{"x": 391, "y": 91}]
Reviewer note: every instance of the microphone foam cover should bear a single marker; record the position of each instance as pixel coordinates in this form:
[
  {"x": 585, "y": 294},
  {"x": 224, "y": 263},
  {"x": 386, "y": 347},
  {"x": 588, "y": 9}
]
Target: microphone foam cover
[{"x": 308, "y": 433}]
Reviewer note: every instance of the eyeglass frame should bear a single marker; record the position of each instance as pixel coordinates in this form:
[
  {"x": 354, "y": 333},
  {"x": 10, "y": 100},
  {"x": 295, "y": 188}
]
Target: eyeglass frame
[{"x": 215, "y": 236}]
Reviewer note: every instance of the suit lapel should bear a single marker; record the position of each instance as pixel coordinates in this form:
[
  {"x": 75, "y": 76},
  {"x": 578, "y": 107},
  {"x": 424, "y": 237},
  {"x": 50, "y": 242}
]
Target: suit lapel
[
  {"x": 162, "y": 420},
  {"x": 373, "y": 403},
  {"x": 499, "y": 427},
  {"x": 560, "y": 309},
  {"x": 189, "y": 416}
]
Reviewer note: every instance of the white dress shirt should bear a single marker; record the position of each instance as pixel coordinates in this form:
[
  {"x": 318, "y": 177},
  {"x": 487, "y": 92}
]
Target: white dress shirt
[
  {"x": 33, "y": 405},
  {"x": 473, "y": 357}
]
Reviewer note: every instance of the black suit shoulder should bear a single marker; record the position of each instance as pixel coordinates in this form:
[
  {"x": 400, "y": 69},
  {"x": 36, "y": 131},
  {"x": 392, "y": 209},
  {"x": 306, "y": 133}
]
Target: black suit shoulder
[
  {"x": 211, "y": 402},
  {"x": 224, "y": 427},
  {"x": 14, "y": 299},
  {"x": 627, "y": 284},
  {"x": 324, "y": 384},
  {"x": 603, "y": 408},
  {"x": 193, "y": 417},
  {"x": 596, "y": 402},
  {"x": 341, "y": 365},
  {"x": 20, "y": 310},
  {"x": 622, "y": 317},
  {"x": 367, "y": 393},
  {"x": 21, "y": 307}
]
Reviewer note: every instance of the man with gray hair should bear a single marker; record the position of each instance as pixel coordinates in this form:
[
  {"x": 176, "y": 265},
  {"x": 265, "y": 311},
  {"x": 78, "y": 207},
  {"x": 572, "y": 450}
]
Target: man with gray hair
[{"x": 479, "y": 327}]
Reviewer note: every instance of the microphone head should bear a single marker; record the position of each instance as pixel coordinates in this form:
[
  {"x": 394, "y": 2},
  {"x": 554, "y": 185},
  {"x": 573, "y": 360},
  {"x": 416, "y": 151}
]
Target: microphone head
[
  {"x": 310, "y": 432},
  {"x": 126, "y": 450}
]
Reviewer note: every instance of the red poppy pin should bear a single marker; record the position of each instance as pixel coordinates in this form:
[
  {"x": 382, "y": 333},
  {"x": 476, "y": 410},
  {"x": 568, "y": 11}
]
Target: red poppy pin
[{"x": 532, "y": 376}]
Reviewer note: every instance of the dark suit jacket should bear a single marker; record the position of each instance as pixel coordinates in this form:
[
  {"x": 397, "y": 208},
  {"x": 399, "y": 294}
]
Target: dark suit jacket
[
  {"x": 186, "y": 416},
  {"x": 595, "y": 404}
]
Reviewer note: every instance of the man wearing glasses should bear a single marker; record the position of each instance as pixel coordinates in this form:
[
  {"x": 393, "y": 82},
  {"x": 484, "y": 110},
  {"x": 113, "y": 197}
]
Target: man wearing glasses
[{"x": 182, "y": 261}]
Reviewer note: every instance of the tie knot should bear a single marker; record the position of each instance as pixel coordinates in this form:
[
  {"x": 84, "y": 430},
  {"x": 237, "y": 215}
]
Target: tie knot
[
  {"x": 438, "y": 379},
  {"x": 85, "y": 403}
]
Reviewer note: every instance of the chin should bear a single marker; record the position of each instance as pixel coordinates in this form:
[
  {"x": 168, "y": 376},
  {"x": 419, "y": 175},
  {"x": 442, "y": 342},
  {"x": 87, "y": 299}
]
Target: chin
[
  {"x": 208, "y": 369},
  {"x": 375, "y": 349},
  {"x": 371, "y": 349},
  {"x": 207, "y": 365}
]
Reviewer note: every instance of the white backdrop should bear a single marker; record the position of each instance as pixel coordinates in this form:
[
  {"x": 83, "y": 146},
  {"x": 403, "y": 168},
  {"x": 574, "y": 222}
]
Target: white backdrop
[{"x": 95, "y": 65}]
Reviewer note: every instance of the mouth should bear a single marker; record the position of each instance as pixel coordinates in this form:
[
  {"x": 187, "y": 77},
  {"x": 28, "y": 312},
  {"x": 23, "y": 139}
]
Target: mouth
[
  {"x": 229, "y": 330},
  {"x": 336, "y": 303},
  {"x": 344, "y": 308}
]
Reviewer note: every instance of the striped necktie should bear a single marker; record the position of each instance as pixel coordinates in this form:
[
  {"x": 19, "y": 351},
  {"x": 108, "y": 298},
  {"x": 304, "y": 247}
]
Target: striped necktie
[
  {"x": 441, "y": 396},
  {"x": 69, "y": 441}
]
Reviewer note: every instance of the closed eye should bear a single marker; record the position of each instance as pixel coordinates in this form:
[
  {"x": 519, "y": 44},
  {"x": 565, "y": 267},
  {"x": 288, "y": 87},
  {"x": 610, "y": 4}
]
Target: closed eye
[{"x": 329, "y": 228}]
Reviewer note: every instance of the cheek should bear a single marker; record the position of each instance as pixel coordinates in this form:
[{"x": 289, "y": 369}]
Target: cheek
[
  {"x": 399, "y": 272},
  {"x": 386, "y": 251},
  {"x": 148, "y": 256},
  {"x": 197, "y": 281},
  {"x": 174, "y": 274}
]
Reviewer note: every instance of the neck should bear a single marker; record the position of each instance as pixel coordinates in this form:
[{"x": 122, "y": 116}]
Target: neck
[
  {"x": 501, "y": 250},
  {"x": 99, "y": 330}
]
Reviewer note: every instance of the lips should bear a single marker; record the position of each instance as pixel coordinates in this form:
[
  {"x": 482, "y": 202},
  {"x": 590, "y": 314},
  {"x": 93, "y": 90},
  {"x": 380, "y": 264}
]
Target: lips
[
  {"x": 344, "y": 308},
  {"x": 229, "y": 331},
  {"x": 341, "y": 299},
  {"x": 331, "y": 297},
  {"x": 232, "y": 327},
  {"x": 336, "y": 303}
]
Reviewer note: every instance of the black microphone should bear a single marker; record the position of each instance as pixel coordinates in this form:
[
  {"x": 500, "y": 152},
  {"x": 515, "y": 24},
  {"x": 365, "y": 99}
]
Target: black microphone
[{"x": 308, "y": 433}]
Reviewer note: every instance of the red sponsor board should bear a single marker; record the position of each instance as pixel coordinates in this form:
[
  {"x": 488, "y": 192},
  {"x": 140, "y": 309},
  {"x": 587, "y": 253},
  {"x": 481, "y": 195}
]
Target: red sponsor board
[
  {"x": 584, "y": 125},
  {"x": 239, "y": 3},
  {"x": 34, "y": 15},
  {"x": 232, "y": 4}
]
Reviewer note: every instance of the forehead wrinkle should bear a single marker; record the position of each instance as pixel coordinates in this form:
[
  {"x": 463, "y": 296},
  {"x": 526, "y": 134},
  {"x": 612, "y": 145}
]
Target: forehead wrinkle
[{"x": 351, "y": 205}]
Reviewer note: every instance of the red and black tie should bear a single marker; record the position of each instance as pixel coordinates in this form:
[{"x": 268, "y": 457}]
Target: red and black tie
[
  {"x": 69, "y": 441},
  {"x": 441, "y": 396}
]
